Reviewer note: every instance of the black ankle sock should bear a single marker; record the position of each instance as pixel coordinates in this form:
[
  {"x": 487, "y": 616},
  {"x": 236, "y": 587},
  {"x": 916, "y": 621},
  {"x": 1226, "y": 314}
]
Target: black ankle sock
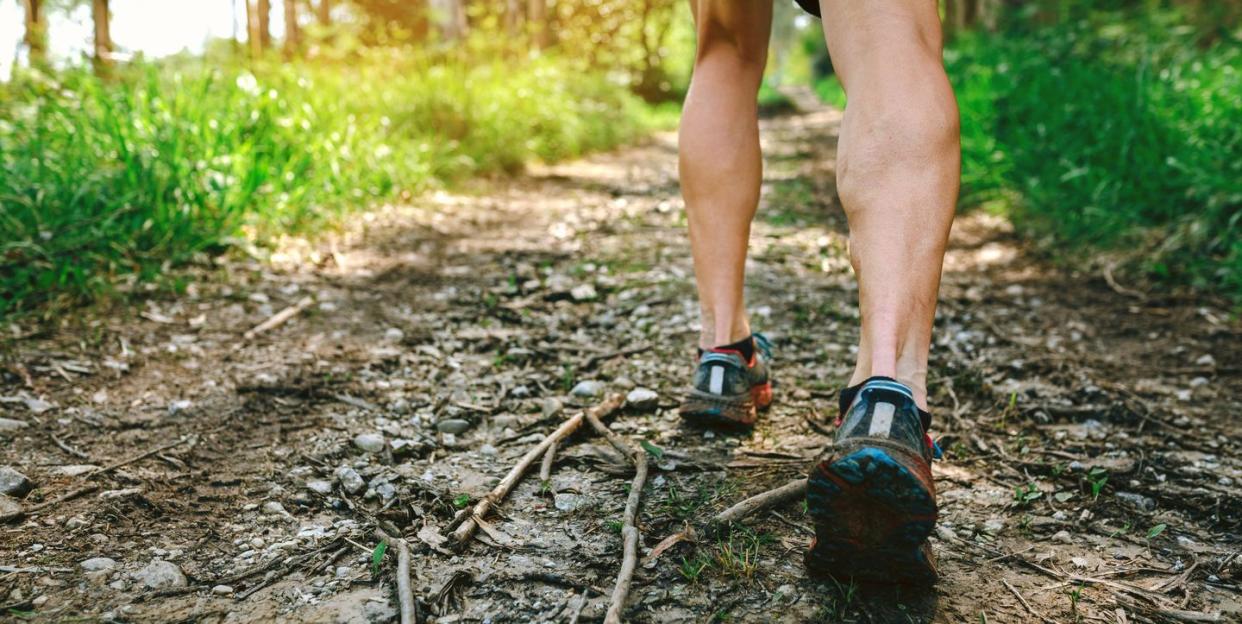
[{"x": 745, "y": 346}]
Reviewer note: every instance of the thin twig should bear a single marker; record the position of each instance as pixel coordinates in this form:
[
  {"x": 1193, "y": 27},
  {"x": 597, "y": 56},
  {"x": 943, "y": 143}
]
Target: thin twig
[
  {"x": 55, "y": 501},
  {"x": 466, "y": 530},
  {"x": 1026, "y": 605},
  {"x": 405, "y": 595},
  {"x": 279, "y": 318},
  {"x": 596, "y": 359},
  {"x": 138, "y": 457},
  {"x": 545, "y": 468},
  {"x": 629, "y": 532},
  {"x": 772, "y": 498},
  {"x": 68, "y": 449}
]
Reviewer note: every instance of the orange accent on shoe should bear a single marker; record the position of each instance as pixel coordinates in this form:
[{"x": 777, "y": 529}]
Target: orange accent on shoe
[{"x": 762, "y": 395}]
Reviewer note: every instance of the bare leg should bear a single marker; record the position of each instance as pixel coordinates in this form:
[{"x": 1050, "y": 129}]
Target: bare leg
[
  {"x": 898, "y": 169},
  {"x": 721, "y": 168}
]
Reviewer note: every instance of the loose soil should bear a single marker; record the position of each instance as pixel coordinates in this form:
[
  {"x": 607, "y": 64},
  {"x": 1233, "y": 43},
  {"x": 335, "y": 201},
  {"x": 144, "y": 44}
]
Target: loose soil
[{"x": 1091, "y": 434}]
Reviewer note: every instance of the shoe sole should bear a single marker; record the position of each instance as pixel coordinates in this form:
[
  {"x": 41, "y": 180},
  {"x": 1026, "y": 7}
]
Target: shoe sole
[
  {"x": 711, "y": 410},
  {"x": 872, "y": 515}
]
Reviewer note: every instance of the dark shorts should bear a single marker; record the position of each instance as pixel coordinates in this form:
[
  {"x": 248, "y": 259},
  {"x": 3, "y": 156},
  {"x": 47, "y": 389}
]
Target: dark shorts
[{"x": 810, "y": 6}]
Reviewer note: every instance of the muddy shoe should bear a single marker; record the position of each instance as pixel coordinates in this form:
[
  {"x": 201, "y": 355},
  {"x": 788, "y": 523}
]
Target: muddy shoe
[
  {"x": 872, "y": 498},
  {"x": 727, "y": 390}
]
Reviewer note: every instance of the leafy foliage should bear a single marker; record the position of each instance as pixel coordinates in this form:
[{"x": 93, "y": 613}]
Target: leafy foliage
[{"x": 111, "y": 183}]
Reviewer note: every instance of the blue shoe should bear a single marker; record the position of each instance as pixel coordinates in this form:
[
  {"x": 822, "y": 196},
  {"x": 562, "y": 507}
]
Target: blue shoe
[{"x": 872, "y": 498}]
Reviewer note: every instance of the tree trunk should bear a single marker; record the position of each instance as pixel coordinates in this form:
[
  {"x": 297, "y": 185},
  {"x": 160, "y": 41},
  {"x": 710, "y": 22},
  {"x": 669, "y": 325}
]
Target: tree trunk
[
  {"x": 252, "y": 29},
  {"x": 103, "y": 35},
  {"x": 265, "y": 24},
  {"x": 324, "y": 12},
  {"x": 513, "y": 17},
  {"x": 537, "y": 17},
  {"x": 292, "y": 34},
  {"x": 35, "y": 37}
]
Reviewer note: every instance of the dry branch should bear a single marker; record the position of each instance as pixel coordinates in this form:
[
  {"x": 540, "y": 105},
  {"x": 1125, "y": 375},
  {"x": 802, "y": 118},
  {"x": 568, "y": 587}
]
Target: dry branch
[
  {"x": 279, "y": 318},
  {"x": 629, "y": 532},
  {"x": 759, "y": 502},
  {"x": 467, "y": 528},
  {"x": 405, "y": 595},
  {"x": 545, "y": 468}
]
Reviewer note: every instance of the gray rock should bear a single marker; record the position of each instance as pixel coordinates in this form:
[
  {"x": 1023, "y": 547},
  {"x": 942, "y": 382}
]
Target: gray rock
[
  {"x": 98, "y": 564},
  {"x": 319, "y": 486},
  {"x": 350, "y": 480},
  {"x": 487, "y": 450},
  {"x": 74, "y": 470},
  {"x": 385, "y": 490},
  {"x": 584, "y": 292},
  {"x": 642, "y": 399},
  {"x": 994, "y": 526},
  {"x": 1144, "y": 503},
  {"x": 1063, "y": 537},
  {"x": 8, "y": 425},
  {"x": 551, "y": 407},
  {"x": 274, "y": 507},
  {"x": 13, "y": 483},
  {"x": 9, "y": 506},
  {"x": 567, "y": 502},
  {"x": 455, "y": 426},
  {"x": 588, "y": 389},
  {"x": 370, "y": 442},
  {"x": 160, "y": 573},
  {"x": 222, "y": 590}
]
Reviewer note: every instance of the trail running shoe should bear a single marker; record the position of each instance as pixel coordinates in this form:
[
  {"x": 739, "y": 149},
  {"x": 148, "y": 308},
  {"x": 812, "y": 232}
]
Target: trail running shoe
[
  {"x": 727, "y": 390},
  {"x": 872, "y": 498}
]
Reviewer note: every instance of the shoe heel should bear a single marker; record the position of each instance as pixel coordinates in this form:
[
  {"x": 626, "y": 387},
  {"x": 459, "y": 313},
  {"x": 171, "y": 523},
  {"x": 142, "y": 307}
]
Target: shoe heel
[{"x": 872, "y": 517}]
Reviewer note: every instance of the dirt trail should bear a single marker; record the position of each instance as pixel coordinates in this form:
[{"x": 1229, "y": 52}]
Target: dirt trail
[{"x": 1092, "y": 437}]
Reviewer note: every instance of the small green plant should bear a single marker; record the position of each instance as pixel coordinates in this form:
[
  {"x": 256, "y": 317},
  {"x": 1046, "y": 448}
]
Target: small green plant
[
  {"x": 1024, "y": 495},
  {"x": 1097, "y": 478},
  {"x": 691, "y": 569},
  {"x": 1075, "y": 594},
  {"x": 377, "y": 556},
  {"x": 738, "y": 556},
  {"x": 615, "y": 526},
  {"x": 1155, "y": 531},
  {"x": 461, "y": 500}
]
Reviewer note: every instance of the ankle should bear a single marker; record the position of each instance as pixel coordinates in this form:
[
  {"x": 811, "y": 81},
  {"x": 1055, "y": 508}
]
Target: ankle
[{"x": 914, "y": 378}]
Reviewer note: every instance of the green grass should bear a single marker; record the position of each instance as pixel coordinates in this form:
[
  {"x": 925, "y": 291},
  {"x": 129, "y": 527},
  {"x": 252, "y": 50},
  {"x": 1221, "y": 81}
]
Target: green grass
[
  {"x": 1115, "y": 134},
  {"x": 111, "y": 184}
]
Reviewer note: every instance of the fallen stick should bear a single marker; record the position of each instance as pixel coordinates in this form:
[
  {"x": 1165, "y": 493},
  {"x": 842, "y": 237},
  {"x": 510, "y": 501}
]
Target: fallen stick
[
  {"x": 545, "y": 467},
  {"x": 1013, "y": 590},
  {"x": 138, "y": 457},
  {"x": 405, "y": 595},
  {"x": 279, "y": 318},
  {"x": 759, "y": 502},
  {"x": 615, "y": 440},
  {"x": 21, "y": 513},
  {"x": 68, "y": 449},
  {"x": 629, "y": 533},
  {"x": 462, "y": 534}
]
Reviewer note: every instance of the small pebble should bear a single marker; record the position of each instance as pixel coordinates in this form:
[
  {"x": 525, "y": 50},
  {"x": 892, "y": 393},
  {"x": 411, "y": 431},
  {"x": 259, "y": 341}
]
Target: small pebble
[
  {"x": 588, "y": 389},
  {"x": 319, "y": 486},
  {"x": 222, "y": 590},
  {"x": 97, "y": 564},
  {"x": 350, "y": 480},
  {"x": 369, "y": 442},
  {"x": 455, "y": 426},
  {"x": 1063, "y": 537},
  {"x": 13, "y": 483},
  {"x": 642, "y": 399}
]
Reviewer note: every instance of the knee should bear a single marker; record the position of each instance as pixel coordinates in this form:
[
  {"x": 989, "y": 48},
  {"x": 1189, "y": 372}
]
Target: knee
[{"x": 726, "y": 32}]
